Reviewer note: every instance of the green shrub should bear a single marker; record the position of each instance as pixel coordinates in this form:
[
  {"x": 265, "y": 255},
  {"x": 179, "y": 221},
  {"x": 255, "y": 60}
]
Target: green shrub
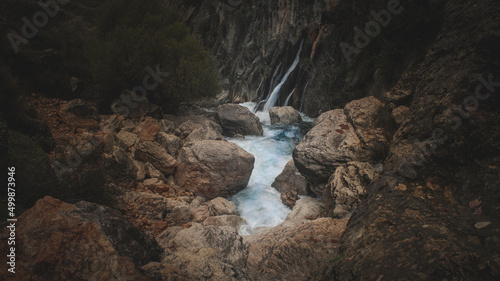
[{"x": 133, "y": 35}]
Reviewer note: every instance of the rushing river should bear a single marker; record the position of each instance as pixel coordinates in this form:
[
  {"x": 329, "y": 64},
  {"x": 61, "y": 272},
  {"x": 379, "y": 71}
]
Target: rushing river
[{"x": 260, "y": 204}]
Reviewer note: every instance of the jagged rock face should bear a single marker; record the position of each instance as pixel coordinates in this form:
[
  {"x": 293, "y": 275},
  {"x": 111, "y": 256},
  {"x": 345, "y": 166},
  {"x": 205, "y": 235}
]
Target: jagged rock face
[
  {"x": 347, "y": 186},
  {"x": 361, "y": 132},
  {"x": 200, "y": 252},
  {"x": 291, "y": 180},
  {"x": 296, "y": 250},
  {"x": 80, "y": 242},
  {"x": 238, "y": 120},
  {"x": 284, "y": 115},
  {"x": 250, "y": 38},
  {"x": 424, "y": 203},
  {"x": 214, "y": 168}
]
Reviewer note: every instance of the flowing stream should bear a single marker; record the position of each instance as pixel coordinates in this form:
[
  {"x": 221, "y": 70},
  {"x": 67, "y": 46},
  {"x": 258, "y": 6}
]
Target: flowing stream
[{"x": 259, "y": 203}]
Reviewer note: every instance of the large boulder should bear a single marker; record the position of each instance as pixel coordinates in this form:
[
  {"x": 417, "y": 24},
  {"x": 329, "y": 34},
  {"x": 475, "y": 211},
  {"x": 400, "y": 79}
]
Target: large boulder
[
  {"x": 295, "y": 250},
  {"x": 361, "y": 132},
  {"x": 152, "y": 211},
  {"x": 213, "y": 168},
  {"x": 291, "y": 179},
  {"x": 347, "y": 186},
  {"x": 236, "y": 119},
  {"x": 200, "y": 252},
  {"x": 284, "y": 115},
  {"x": 85, "y": 241},
  {"x": 155, "y": 154}
]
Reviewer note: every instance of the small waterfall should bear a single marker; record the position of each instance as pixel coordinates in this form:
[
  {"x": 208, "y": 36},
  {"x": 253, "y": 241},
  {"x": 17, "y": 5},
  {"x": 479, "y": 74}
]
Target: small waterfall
[
  {"x": 273, "y": 79},
  {"x": 275, "y": 93},
  {"x": 303, "y": 96},
  {"x": 258, "y": 88},
  {"x": 289, "y": 96}
]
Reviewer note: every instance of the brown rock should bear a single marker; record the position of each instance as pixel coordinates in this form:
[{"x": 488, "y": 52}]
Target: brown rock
[
  {"x": 347, "y": 186},
  {"x": 236, "y": 119},
  {"x": 289, "y": 198},
  {"x": 149, "y": 129},
  {"x": 399, "y": 114},
  {"x": 295, "y": 250},
  {"x": 221, "y": 206},
  {"x": 155, "y": 154},
  {"x": 291, "y": 180},
  {"x": 214, "y": 168},
  {"x": 171, "y": 143},
  {"x": 284, "y": 115},
  {"x": 361, "y": 132},
  {"x": 127, "y": 138},
  {"x": 201, "y": 252},
  {"x": 82, "y": 242}
]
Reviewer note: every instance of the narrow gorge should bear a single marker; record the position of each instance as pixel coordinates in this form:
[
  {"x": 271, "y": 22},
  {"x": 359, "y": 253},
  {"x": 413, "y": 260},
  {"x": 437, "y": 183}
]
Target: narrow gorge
[{"x": 250, "y": 140}]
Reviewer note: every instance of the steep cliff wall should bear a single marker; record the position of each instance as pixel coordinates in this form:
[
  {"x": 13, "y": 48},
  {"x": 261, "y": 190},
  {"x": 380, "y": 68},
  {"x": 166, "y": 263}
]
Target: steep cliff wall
[{"x": 255, "y": 41}]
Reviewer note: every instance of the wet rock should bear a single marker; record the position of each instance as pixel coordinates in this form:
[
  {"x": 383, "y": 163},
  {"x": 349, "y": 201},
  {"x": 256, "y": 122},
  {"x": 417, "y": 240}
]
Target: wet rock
[
  {"x": 291, "y": 179},
  {"x": 289, "y": 198},
  {"x": 155, "y": 154},
  {"x": 85, "y": 241},
  {"x": 347, "y": 186},
  {"x": 284, "y": 115},
  {"x": 236, "y": 119},
  {"x": 214, "y": 168}
]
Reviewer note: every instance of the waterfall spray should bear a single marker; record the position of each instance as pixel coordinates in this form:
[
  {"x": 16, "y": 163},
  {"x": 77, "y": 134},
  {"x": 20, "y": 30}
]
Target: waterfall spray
[
  {"x": 289, "y": 96},
  {"x": 271, "y": 101}
]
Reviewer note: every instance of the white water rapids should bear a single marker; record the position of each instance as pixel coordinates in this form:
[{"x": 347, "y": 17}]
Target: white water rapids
[{"x": 259, "y": 203}]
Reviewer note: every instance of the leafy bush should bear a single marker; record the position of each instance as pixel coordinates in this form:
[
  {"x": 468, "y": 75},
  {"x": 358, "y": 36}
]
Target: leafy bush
[{"x": 133, "y": 35}]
